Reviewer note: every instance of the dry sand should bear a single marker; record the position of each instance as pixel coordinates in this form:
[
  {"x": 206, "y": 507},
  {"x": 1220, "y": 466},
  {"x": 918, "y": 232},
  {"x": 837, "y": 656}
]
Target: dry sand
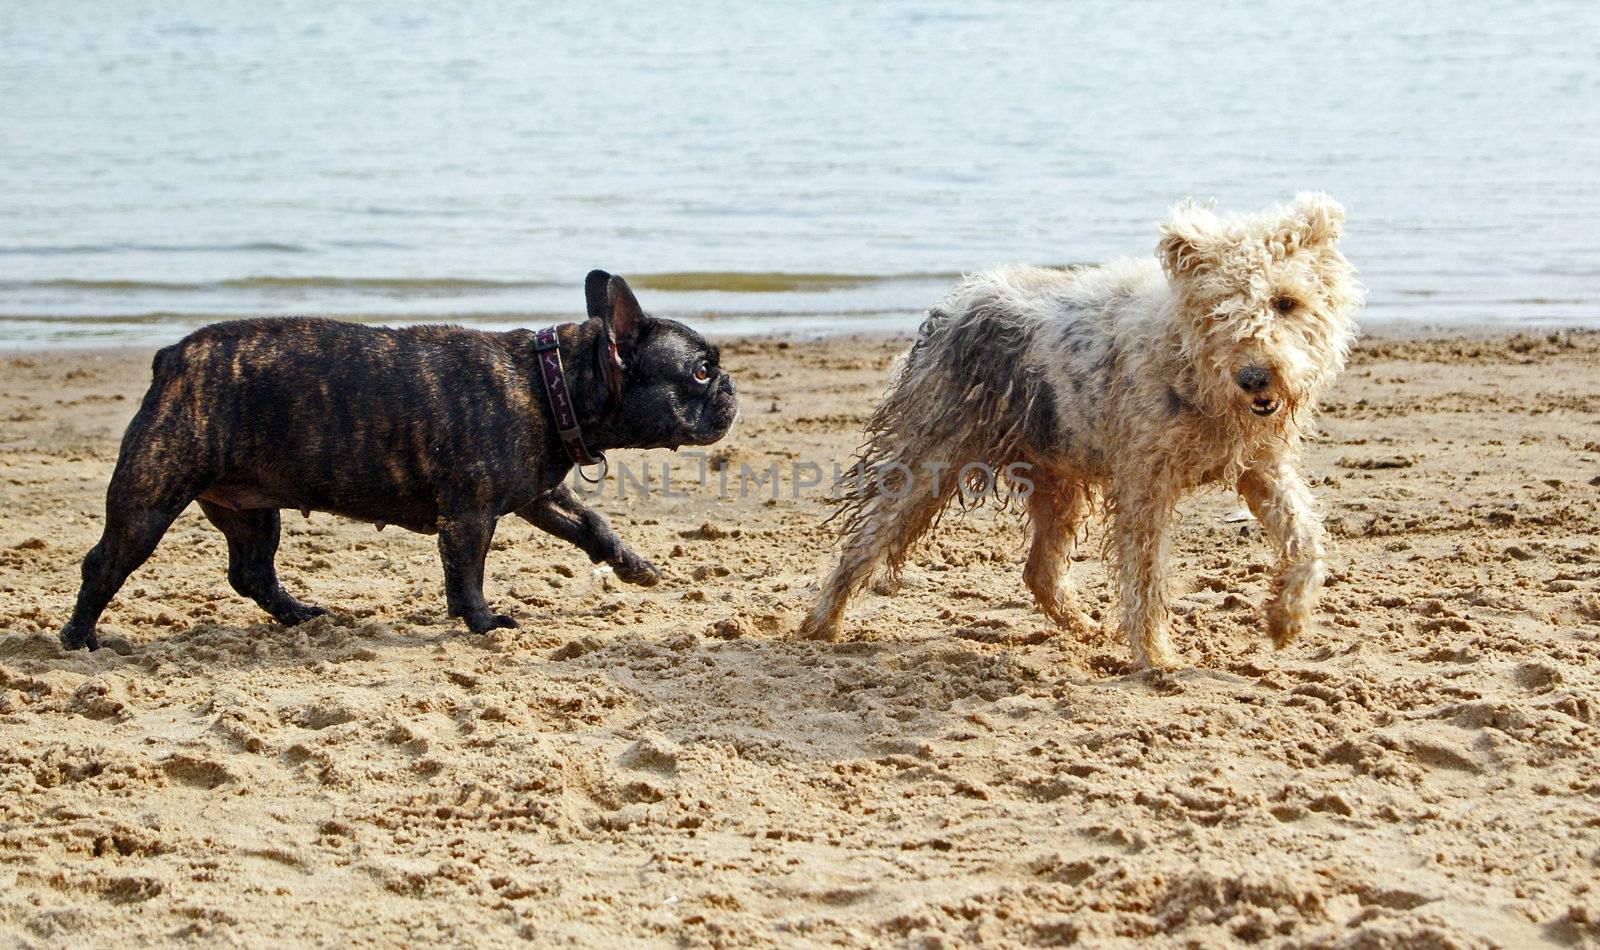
[{"x": 665, "y": 766}]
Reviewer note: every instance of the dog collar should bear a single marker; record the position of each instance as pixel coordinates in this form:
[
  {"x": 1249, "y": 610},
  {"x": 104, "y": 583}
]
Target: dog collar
[{"x": 546, "y": 345}]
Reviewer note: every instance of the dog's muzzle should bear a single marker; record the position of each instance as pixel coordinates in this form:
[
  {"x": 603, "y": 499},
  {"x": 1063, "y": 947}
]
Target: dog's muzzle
[
  {"x": 1255, "y": 380},
  {"x": 717, "y": 412}
]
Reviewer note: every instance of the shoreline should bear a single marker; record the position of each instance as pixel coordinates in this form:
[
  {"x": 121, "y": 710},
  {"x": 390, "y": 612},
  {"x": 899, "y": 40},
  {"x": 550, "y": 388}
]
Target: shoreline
[
  {"x": 668, "y": 765},
  {"x": 825, "y": 327}
]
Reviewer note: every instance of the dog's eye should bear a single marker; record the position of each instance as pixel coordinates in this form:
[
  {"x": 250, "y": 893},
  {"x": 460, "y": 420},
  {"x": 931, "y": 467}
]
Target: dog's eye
[
  {"x": 702, "y": 372},
  {"x": 1283, "y": 304}
]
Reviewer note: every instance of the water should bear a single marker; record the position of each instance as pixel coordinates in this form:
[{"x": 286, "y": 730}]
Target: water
[{"x": 162, "y": 164}]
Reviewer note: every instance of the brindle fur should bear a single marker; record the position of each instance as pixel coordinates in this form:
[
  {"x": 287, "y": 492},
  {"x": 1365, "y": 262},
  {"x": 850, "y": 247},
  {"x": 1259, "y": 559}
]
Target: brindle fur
[{"x": 438, "y": 429}]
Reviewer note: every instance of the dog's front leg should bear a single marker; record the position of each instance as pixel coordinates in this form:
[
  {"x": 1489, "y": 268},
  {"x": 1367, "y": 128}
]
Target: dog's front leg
[
  {"x": 1056, "y": 507},
  {"x": 1143, "y": 525},
  {"x": 563, "y": 515},
  {"x": 463, "y": 546},
  {"x": 1281, "y": 501}
]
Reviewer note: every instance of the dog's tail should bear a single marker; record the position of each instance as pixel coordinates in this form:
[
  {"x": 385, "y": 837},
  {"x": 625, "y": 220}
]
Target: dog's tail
[
  {"x": 960, "y": 394},
  {"x": 952, "y": 421}
]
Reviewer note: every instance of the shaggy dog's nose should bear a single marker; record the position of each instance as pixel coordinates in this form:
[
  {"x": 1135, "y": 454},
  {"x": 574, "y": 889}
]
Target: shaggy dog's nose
[{"x": 1252, "y": 379}]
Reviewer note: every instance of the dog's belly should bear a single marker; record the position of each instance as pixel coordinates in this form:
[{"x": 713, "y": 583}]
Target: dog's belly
[
  {"x": 243, "y": 498},
  {"x": 413, "y": 514}
]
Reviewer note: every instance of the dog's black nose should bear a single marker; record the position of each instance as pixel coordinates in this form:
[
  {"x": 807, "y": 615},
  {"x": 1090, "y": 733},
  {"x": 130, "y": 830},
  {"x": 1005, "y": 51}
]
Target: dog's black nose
[{"x": 1252, "y": 379}]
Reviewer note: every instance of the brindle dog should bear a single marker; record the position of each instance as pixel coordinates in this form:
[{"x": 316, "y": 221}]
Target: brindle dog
[{"x": 437, "y": 429}]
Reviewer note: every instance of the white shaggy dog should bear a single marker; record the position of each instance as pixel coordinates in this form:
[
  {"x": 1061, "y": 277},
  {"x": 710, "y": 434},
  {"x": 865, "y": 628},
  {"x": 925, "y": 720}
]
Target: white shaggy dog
[{"x": 1133, "y": 383}]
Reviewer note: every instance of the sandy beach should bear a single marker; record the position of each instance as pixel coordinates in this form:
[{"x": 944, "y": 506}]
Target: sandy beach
[{"x": 667, "y": 766}]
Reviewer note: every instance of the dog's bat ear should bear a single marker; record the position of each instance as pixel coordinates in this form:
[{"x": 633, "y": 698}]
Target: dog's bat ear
[
  {"x": 623, "y": 318},
  {"x": 1186, "y": 241},
  {"x": 594, "y": 292}
]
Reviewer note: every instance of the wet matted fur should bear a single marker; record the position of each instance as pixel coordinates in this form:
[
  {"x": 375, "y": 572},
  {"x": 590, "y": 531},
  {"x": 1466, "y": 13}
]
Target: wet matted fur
[{"x": 1131, "y": 384}]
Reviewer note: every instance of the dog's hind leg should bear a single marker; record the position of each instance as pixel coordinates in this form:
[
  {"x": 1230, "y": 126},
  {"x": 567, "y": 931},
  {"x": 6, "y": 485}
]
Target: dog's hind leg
[
  {"x": 1279, "y": 498},
  {"x": 1056, "y": 508},
  {"x": 563, "y": 515},
  {"x": 168, "y": 456},
  {"x": 888, "y": 521},
  {"x": 140, "y": 506},
  {"x": 252, "y": 545}
]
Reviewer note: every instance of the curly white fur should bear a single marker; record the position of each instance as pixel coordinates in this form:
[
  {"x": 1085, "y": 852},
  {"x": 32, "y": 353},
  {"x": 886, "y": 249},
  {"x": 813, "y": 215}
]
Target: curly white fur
[{"x": 1121, "y": 382}]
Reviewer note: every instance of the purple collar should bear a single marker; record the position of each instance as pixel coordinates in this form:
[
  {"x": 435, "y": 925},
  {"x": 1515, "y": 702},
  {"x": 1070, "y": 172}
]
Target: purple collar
[{"x": 546, "y": 345}]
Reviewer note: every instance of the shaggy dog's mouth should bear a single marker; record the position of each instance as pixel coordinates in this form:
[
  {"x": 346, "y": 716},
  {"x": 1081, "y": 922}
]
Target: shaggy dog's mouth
[{"x": 1262, "y": 406}]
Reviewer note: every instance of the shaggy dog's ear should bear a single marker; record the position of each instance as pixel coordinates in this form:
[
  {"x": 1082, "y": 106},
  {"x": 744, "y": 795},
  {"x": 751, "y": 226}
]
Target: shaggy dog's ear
[
  {"x": 1316, "y": 219},
  {"x": 1187, "y": 239}
]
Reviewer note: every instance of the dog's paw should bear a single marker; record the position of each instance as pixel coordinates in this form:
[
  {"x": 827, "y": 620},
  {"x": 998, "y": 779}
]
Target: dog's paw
[
  {"x": 297, "y": 613},
  {"x": 825, "y": 629},
  {"x": 1161, "y": 658},
  {"x": 1152, "y": 650},
  {"x": 1070, "y": 617},
  {"x": 486, "y": 621},
  {"x": 1285, "y": 623},
  {"x": 633, "y": 569},
  {"x": 1163, "y": 663},
  {"x": 1082, "y": 627},
  {"x": 75, "y": 640}
]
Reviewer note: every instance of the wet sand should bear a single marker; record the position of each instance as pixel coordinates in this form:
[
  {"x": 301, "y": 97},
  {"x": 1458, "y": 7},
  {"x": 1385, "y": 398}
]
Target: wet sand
[{"x": 666, "y": 766}]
